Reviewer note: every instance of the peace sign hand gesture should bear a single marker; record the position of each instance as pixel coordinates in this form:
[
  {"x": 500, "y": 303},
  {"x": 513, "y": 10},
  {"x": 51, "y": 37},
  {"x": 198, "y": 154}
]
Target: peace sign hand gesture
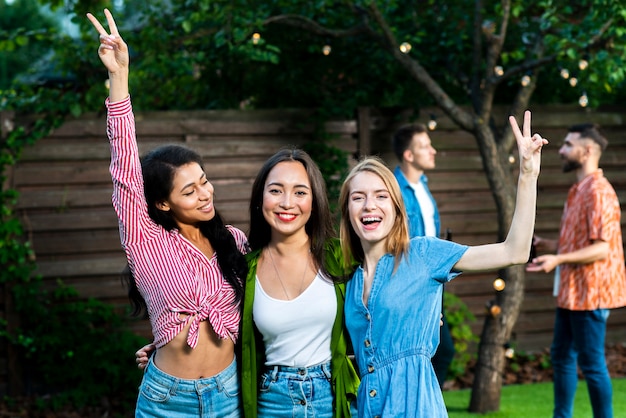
[
  {"x": 113, "y": 51},
  {"x": 528, "y": 145}
]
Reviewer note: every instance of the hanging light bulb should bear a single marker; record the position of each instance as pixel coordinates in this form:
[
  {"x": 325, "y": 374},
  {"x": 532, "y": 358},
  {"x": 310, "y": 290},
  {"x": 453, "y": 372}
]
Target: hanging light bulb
[
  {"x": 509, "y": 352},
  {"x": 405, "y": 47},
  {"x": 525, "y": 80},
  {"x": 583, "y": 63},
  {"x": 565, "y": 73},
  {"x": 498, "y": 70},
  {"x": 499, "y": 284},
  {"x": 107, "y": 84},
  {"x": 432, "y": 123},
  {"x": 573, "y": 81},
  {"x": 493, "y": 308},
  {"x": 489, "y": 27},
  {"x": 256, "y": 37},
  {"x": 583, "y": 101},
  {"x": 326, "y": 49},
  {"x": 511, "y": 159}
]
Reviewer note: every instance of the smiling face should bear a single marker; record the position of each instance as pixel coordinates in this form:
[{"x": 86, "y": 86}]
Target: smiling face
[
  {"x": 371, "y": 209},
  {"x": 191, "y": 198},
  {"x": 287, "y": 198},
  {"x": 372, "y": 212}
]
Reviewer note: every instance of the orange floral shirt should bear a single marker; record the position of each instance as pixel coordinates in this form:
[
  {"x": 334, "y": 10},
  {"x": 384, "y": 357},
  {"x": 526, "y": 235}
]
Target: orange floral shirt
[{"x": 592, "y": 212}]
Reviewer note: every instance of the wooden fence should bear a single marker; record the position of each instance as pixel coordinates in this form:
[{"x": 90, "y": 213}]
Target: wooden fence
[{"x": 65, "y": 193}]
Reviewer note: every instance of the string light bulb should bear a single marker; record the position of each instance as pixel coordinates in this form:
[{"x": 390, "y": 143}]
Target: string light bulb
[
  {"x": 573, "y": 81},
  {"x": 326, "y": 49},
  {"x": 564, "y": 73},
  {"x": 493, "y": 308},
  {"x": 583, "y": 63},
  {"x": 511, "y": 159},
  {"x": 525, "y": 80},
  {"x": 107, "y": 84},
  {"x": 405, "y": 47},
  {"x": 256, "y": 37},
  {"x": 509, "y": 352},
  {"x": 432, "y": 123},
  {"x": 499, "y": 284},
  {"x": 498, "y": 70},
  {"x": 583, "y": 101},
  {"x": 489, "y": 27}
]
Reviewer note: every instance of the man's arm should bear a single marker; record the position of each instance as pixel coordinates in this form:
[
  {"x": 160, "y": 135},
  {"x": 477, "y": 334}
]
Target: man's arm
[{"x": 598, "y": 250}]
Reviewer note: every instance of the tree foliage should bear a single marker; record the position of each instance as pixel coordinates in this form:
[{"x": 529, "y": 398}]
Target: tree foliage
[
  {"x": 202, "y": 54},
  {"x": 23, "y": 33}
]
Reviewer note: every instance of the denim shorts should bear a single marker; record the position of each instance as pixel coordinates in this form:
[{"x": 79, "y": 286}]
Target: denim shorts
[
  {"x": 163, "y": 395},
  {"x": 296, "y": 392}
]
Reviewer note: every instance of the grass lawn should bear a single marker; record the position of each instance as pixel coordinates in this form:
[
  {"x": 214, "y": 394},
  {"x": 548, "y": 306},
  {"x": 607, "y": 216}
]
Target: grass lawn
[{"x": 534, "y": 400}]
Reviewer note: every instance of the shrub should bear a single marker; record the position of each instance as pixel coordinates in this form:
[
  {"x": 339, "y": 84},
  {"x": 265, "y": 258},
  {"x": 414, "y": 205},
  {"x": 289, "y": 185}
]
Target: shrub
[
  {"x": 78, "y": 352},
  {"x": 459, "y": 319}
]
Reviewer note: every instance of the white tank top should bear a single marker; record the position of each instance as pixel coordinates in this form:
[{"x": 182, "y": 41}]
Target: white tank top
[{"x": 297, "y": 332}]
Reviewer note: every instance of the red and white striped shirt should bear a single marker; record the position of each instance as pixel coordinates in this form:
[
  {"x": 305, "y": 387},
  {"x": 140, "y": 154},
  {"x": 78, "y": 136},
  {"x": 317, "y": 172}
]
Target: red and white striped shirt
[{"x": 173, "y": 276}]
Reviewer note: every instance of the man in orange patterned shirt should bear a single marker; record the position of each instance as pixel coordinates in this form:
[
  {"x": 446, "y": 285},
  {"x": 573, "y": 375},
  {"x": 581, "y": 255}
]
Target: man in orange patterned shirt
[{"x": 590, "y": 274}]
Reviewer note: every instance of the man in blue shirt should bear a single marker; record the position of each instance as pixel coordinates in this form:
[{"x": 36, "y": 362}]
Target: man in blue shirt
[{"x": 413, "y": 148}]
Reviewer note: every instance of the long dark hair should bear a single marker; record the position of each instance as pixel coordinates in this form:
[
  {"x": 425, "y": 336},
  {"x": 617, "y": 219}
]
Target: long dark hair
[
  {"x": 319, "y": 227},
  {"x": 158, "y": 169}
]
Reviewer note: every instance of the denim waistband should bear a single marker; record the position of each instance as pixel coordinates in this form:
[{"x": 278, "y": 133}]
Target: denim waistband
[
  {"x": 318, "y": 370},
  {"x": 190, "y": 385}
]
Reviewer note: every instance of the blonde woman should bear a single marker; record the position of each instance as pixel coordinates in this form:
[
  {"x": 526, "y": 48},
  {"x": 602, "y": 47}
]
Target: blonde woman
[{"x": 393, "y": 301}]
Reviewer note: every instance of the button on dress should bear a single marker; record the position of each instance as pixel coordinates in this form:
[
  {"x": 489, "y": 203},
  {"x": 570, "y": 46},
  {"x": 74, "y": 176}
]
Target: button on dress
[{"x": 396, "y": 335}]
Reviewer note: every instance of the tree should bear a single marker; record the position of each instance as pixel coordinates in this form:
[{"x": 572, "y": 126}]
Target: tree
[{"x": 461, "y": 56}]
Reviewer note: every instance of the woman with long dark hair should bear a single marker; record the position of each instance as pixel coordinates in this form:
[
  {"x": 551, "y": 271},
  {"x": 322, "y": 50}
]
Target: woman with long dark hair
[
  {"x": 294, "y": 347},
  {"x": 186, "y": 265}
]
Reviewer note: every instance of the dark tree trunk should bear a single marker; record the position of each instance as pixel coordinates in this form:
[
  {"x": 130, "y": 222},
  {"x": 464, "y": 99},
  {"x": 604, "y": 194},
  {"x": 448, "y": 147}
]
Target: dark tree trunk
[
  {"x": 498, "y": 327},
  {"x": 487, "y": 386}
]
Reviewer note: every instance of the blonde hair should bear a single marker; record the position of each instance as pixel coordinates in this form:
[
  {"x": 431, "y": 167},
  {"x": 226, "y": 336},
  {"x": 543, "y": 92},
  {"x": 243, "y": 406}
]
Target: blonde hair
[{"x": 397, "y": 242}]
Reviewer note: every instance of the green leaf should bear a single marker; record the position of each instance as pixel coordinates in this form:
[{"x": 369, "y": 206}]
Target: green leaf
[{"x": 21, "y": 40}]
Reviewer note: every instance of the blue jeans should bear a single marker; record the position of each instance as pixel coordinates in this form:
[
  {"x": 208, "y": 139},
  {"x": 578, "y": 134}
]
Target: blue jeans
[
  {"x": 579, "y": 338},
  {"x": 162, "y": 395},
  {"x": 294, "y": 392}
]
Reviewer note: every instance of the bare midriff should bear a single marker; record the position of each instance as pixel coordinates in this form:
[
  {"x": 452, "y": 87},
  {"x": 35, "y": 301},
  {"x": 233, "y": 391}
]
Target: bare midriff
[{"x": 210, "y": 357}]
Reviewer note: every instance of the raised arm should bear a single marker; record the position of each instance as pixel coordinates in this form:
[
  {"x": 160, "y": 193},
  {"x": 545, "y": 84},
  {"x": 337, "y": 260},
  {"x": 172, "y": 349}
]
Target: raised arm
[
  {"x": 113, "y": 53},
  {"x": 128, "y": 192},
  {"x": 516, "y": 246}
]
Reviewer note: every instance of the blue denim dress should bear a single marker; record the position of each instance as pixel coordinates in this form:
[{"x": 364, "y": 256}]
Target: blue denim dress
[{"x": 396, "y": 335}]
